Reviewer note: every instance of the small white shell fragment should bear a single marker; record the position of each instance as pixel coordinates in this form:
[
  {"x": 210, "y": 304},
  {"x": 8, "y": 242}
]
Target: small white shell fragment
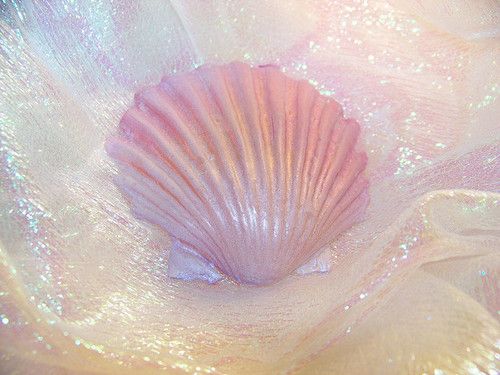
[
  {"x": 185, "y": 264},
  {"x": 320, "y": 263}
]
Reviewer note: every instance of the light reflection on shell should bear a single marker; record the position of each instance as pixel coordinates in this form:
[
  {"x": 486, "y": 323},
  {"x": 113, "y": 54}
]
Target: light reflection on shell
[{"x": 250, "y": 170}]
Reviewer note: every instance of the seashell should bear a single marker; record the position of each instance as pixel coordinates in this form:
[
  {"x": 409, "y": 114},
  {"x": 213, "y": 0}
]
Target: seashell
[{"x": 248, "y": 170}]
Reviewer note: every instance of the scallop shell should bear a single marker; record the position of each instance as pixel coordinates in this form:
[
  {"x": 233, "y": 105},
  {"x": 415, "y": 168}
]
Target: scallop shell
[{"x": 250, "y": 169}]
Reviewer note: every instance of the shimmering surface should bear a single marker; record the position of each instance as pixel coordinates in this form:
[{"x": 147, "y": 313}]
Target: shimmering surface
[{"x": 83, "y": 283}]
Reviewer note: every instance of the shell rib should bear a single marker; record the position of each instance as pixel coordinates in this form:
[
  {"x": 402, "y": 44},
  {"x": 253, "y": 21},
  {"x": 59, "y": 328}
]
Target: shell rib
[{"x": 252, "y": 170}]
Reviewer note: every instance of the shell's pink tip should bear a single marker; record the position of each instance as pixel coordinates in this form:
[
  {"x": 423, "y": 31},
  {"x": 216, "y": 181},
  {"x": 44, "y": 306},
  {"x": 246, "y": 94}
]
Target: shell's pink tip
[{"x": 252, "y": 171}]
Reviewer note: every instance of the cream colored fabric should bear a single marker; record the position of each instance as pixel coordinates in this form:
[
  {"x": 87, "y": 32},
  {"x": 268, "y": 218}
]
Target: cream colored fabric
[{"x": 413, "y": 289}]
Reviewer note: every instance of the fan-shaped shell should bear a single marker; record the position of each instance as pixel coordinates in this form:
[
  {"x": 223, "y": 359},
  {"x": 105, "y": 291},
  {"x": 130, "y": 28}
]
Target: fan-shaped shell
[{"x": 252, "y": 170}]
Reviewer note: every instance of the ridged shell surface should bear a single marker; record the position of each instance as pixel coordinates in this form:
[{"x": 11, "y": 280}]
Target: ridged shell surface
[{"x": 252, "y": 170}]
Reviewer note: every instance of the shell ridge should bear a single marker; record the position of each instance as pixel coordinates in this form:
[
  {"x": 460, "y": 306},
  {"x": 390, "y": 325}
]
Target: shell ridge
[
  {"x": 178, "y": 159},
  {"x": 316, "y": 100},
  {"x": 304, "y": 113},
  {"x": 338, "y": 207},
  {"x": 348, "y": 200},
  {"x": 275, "y": 154},
  {"x": 279, "y": 105},
  {"x": 230, "y": 158},
  {"x": 149, "y": 184},
  {"x": 246, "y": 115},
  {"x": 139, "y": 199},
  {"x": 304, "y": 103},
  {"x": 286, "y": 167},
  {"x": 339, "y": 142},
  {"x": 161, "y": 105},
  {"x": 169, "y": 152},
  {"x": 275, "y": 81},
  {"x": 231, "y": 113},
  {"x": 332, "y": 170},
  {"x": 291, "y": 99},
  {"x": 307, "y": 225},
  {"x": 264, "y": 177},
  {"x": 264, "y": 163},
  {"x": 348, "y": 174},
  {"x": 267, "y": 159},
  {"x": 293, "y": 145},
  {"x": 144, "y": 208},
  {"x": 313, "y": 146},
  {"x": 220, "y": 144},
  {"x": 156, "y": 134},
  {"x": 345, "y": 219},
  {"x": 277, "y": 99},
  {"x": 332, "y": 128},
  {"x": 347, "y": 154},
  {"x": 138, "y": 173},
  {"x": 236, "y": 156},
  {"x": 317, "y": 104},
  {"x": 243, "y": 147},
  {"x": 173, "y": 161},
  {"x": 348, "y": 187},
  {"x": 156, "y": 104},
  {"x": 216, "y": 87},
  {"x": 342, "y": 181},
  {"x": 328, "y": 167},
  {"x": 152, "y": 214},
  {"x": 222, "y": 107}
]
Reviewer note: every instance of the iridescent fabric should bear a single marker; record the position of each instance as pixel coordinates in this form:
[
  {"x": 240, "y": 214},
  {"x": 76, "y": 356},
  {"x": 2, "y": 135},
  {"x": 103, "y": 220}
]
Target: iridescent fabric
[{"x": 412, "y": 289}]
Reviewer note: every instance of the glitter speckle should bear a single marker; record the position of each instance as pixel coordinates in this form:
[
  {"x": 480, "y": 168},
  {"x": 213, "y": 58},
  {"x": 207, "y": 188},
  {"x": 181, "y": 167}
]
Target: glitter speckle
[
  {"x": 349, "y": 31},
  {"x": 31, "y": 213},
  {"x": 489, "y": 98}
]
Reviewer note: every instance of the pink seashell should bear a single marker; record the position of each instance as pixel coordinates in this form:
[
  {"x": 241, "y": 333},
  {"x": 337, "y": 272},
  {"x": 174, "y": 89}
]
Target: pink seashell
[{"x": 247, "y": 169}]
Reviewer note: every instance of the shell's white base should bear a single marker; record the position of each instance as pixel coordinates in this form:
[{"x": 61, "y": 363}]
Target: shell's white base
[
  {"x": 186, "y": 264},
  {"x": 321, "y": 263}
]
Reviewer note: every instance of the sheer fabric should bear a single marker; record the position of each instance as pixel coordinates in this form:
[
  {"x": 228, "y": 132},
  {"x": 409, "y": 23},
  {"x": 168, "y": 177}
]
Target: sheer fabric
[{"x": 412, "y": 289}]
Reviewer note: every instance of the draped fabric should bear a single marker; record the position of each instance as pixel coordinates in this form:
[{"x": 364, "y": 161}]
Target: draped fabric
[{"x": 413, "y": 288}]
